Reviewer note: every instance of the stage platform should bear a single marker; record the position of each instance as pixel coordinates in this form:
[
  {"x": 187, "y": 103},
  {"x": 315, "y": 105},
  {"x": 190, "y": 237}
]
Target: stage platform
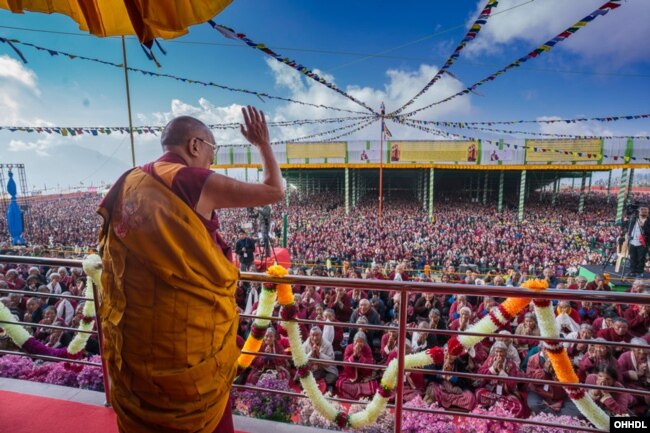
[
  {"x": 617, "y": 280},
  {"x": 28, "y": 407}
]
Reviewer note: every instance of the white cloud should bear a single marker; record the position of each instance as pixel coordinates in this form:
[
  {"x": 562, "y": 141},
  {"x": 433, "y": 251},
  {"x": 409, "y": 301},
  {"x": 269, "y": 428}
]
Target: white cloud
[
  {"x": 40, "y": 146},
  {"x": 401, "y": 86},
  {"x": 616, "y": 37},
  {"x": 579, "y": 128},
  {"x": 13, "y": 70}
]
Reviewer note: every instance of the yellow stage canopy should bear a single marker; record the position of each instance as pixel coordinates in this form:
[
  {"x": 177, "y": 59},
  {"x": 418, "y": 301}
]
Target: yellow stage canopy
[{"x": 148, "y": 19}]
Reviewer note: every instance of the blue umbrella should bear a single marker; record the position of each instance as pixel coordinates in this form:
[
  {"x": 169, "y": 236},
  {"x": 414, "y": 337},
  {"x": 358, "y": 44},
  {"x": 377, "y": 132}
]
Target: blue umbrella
[{"x": 14, "y": 214}]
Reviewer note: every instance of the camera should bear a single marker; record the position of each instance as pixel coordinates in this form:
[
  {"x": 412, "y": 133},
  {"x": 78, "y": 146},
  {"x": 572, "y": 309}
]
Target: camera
[{"x": 632, "y": 208}]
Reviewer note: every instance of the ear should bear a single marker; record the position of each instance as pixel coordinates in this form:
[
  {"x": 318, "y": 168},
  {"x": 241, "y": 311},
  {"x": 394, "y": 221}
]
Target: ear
[{"x": 193, "y": 147}]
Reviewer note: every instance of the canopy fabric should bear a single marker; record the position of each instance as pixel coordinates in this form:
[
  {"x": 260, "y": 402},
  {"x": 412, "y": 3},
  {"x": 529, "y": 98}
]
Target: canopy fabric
[{"x": 148, "y": 19}]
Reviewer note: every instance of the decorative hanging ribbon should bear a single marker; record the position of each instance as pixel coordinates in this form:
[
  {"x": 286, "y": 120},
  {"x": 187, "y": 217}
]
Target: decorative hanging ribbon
[
  {"x": 107, "y": 130},
  {"x": 357, "y": 127},
  {"x": 471, "y": 34},
  {"x": 545, "y": 47},
  {"x": 232, "y": 34},
  {"x": 513, "y": 122},
  {"x": 260, "y": 95},
  {"x": 537, "y": 149},
  {"x": 545, "y": 134}
]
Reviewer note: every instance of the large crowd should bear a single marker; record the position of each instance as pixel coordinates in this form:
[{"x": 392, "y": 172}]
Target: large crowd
[{"x": 465, "y": 242}]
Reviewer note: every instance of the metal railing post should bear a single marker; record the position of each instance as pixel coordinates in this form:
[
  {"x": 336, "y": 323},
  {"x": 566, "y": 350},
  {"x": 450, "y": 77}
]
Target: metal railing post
[
  {"x": 100, "y": 336},
  {"x": 401, "y": 354}
]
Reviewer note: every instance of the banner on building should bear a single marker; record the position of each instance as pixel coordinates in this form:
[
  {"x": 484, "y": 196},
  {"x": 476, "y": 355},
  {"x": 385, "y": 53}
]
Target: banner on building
[
  {"x": 434, "y": 151},
  {"x": 302, "y": 151},
  {"x": 562, "y": 150}
]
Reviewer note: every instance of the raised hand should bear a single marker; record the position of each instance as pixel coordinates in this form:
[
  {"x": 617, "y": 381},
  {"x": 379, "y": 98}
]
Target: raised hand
[{"x": 254, "y": 128}]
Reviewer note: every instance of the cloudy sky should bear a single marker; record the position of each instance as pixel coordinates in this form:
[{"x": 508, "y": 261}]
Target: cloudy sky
[{"x": 375, "y": 53}]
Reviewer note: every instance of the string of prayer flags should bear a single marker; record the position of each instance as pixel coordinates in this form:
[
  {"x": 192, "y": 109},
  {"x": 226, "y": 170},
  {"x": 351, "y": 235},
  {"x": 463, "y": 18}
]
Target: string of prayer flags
[
  {"x": 594, "y": 156},
  {"x": 232, "y": 34},
  {"x": 107, "y": 130},
  {"x": 471, "y": 34},
  {"x": 260, "y": 95},
  {"x": 513, "y": 122},
  {"x": 545, "y": 47},
  {"x": 545, "y": 134}
]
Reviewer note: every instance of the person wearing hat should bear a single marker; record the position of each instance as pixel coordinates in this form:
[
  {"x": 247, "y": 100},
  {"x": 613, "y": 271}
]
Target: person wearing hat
[{"x": 356, "y": 382}]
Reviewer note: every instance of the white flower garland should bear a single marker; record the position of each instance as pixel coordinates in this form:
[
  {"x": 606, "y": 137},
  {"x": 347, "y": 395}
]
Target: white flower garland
[
  {"x": 586, "y": 405},
  {"x": 16, "y": 332},
  {"x": 19, "y": 335}
]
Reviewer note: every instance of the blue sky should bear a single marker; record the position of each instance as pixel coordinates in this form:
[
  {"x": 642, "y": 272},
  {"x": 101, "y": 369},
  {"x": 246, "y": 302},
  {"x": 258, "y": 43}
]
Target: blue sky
[{"x": 603, "y": 70}]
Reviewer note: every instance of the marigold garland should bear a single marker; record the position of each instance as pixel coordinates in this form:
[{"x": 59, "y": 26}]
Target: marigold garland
[
  {"x": 563, "y": 367},
  {"x": 285, "y": 294},
  {"x": 496, "y": 319}
]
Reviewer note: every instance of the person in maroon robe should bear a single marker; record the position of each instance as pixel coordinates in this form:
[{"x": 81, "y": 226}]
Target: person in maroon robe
[
  {"x": 341, "y": 303},
  {"x": 598, "y": 355},
  {"x": 551, "y": 399},
  {"x": 619, "y": 332},
  {"x": 450, "y": 391},
  {"x": 634, "y": 365},
  {"x": 638, "y": 319},
  {"x": 357, "y": 382},
  {"x": 615, "y": 403},
  {"x": 262, "y": 363},
  {"x": 414, "y": 384},
  {"x": 501, "y": 386}
]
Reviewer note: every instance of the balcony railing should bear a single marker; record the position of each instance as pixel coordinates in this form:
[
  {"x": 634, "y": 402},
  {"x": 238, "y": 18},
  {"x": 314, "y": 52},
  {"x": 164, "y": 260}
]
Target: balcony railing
[{"x": 404, "y": 288}]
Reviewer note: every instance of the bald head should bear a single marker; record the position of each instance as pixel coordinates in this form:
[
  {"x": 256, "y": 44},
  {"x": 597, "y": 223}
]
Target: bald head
[
  {"x": 181, "y": 129},
  {"x": 191, "y": 139}
]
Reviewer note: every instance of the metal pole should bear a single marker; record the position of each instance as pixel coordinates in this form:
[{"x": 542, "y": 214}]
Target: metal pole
[
  {"x": 431, "y": 190},
  {"x": 485, "y": 189},
  {"x": 381, "y": 171},
  {"x": 100, "y": 335},
  {"x": 401, "y": 354},
  {"x": 581, "y": 203},
  {"x": 522, "y": 193},
  {"x": 128, "y": 100},
  {"x": 500, "y": 203},
  {"x": 285, "y": 228},
  {"x": 556, "y": 185},
  {"x": 621, "y": 195},
  {"x": 346, "y": 191},
  {"x": 609, "y": 185},
  {"x": 630, "y": 185},
  {"x": 425, "y": 191}
]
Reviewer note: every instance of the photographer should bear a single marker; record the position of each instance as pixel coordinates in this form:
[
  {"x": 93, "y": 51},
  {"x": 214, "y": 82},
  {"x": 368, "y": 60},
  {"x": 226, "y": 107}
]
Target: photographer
[
  {"x": 638, "y": 232},
  {"x": 245, "y": 249}
]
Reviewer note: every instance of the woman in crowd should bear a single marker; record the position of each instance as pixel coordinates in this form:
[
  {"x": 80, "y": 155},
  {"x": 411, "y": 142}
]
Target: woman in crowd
[
  {"x": 496, "y": 388},
  {"x": 615, "y": 403},
  {"x": 263, "y": 363},
  {"x": 598, "y": 356},
  {"x": 527, "y": 328},
  {"x": 357, "y": 382},
  {"x": 450, "y": 391}
]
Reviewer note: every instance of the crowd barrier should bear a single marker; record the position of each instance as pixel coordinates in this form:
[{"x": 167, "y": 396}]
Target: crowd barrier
[{"x": 404, "y": 288}]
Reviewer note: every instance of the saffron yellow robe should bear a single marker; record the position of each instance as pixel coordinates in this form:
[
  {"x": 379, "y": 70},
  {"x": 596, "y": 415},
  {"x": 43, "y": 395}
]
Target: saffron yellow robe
[{"x": 168, "y": 315}]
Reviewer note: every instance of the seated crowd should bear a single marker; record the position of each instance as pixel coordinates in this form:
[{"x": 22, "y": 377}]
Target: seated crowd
[
  {"x": 40, "y": 308},
  {"x": 517, "y": 353}
]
